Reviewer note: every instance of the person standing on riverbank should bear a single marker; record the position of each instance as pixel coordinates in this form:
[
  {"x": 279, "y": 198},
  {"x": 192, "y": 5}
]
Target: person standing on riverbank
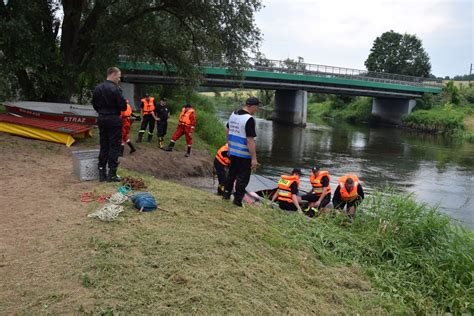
[
  {"x": 221, "y": 164},
  {"x": 147, "y": 113},
  {"x": 243, "y": 156},
  {"x": 186, "y": 125},
  {"x": 162, "y": 114},
  {"x": 287, "y": 194},
  {"x": 349, "y": 193},
  {"x": 108, "y": 101},
  {"x": 320, "y": 196},
  {"x": 126, "y": 124}
]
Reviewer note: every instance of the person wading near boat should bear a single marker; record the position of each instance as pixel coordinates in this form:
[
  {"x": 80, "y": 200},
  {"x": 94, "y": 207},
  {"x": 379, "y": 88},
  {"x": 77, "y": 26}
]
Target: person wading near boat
[
  {"x": 348, "y": 193},
  {"x": 162, "y": 115},
  {"x": 186, "y": 125},
  {"x": 147, "y": 114},
  {"x": 108, "y": 101},
  {"x": 243, "y": 156},
  {"x": 320, "y": 196},
  {"x": 221, "y": 164},
  {"x": 287, "y": 193},
  {"x": 126, "y": 124}
]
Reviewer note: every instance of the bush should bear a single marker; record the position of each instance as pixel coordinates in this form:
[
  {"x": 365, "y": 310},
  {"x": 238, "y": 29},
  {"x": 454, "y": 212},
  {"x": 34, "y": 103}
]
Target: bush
[{"x": 444, "y": 120}]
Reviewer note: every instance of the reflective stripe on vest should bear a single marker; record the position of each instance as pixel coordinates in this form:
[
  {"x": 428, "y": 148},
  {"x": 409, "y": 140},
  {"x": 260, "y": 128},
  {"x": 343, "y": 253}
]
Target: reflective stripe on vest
[
  {"x": 225, "y": 161},
  {"x": 284, "y": 188},
  {"x": 345, "y": 195},
  {"x": 127, "y": 112},
  {"x": 184, "y": 117},
  {"x": 148, "y": 106},
  {"x": 237, "y": 138},
  {"x": 316, "y": 182}
]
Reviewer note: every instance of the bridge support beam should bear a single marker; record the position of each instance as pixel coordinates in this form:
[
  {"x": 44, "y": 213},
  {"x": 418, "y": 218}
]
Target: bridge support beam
[
  {"x": 392, "y": 110},
  {"x": 291, "y": 107},
  {"x": 133, "y": 92}
]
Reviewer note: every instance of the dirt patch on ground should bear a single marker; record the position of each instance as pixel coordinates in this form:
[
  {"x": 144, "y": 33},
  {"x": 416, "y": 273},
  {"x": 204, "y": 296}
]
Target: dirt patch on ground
[{"x": 168, "y": 165}]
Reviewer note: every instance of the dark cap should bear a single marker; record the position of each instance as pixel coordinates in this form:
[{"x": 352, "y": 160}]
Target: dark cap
[
  {"x": 147, "y": 94},
  {"x": 297, "y": 171},
  {"x": 253, "y": 101},
  {"x": 316, "y": 168},
  {"x": 163, "y": 99},
  {"x": 187, "y": 105}
]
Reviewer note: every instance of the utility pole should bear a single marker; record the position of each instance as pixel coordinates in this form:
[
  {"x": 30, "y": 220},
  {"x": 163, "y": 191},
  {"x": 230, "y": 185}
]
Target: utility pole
[{"x": 470, "y": 74}]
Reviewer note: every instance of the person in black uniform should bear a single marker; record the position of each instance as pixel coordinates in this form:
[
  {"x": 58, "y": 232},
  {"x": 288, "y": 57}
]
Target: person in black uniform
[
  {"x": 242, "y": 152},
  {"x": 108, "y": 101},
  {"x": 162, "y": 114}
]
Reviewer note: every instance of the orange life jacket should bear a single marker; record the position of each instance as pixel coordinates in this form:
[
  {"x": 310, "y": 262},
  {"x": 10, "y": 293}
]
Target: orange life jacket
[
  {"x": 225, "y": 161},
  {"x": 345, "y": 195},
  {"x": 316, "y": 182},
  {"x": 148, "y": 106},
  {"x": 127, "y": 112},
  {"x": 185, "y": 117},
  {"x": 284, "y": 188}
]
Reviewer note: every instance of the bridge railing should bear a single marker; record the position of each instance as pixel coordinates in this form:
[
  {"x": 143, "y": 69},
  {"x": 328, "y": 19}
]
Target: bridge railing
[{"x": 291, "y": 67}]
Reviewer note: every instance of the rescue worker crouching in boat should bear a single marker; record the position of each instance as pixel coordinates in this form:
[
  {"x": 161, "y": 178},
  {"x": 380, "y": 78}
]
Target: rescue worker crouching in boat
[
  {"x": 126, "y": 124},
  {"x": 221, "y": 164},
  {"x": 287, "y": 193},
  {"x": 348, "y": 193},
  {"x": 147, "y": 113},
  {"x": 186, "y": 125},
  {"x": 320, "y": 196}
]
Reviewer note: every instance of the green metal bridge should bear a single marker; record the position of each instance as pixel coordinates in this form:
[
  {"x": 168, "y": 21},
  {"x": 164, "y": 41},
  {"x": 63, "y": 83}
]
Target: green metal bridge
[{"x": 293, "y": 80}]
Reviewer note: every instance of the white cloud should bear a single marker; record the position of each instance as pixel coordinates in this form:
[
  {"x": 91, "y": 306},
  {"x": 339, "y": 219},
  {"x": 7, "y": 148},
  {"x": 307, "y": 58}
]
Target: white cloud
[{"x": 341, "y": 33}]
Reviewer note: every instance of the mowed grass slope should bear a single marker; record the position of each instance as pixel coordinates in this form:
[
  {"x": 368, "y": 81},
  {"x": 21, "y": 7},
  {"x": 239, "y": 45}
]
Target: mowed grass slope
[{"x": 203, "y": 255}]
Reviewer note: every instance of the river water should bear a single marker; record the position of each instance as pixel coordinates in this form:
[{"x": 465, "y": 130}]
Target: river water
[{"x": 438, "y": 170}]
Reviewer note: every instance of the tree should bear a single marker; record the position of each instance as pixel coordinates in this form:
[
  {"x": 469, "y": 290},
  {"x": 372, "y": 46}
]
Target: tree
[
  {"x": 399, "y": 54},
  {"x": 51, "y": 49}
]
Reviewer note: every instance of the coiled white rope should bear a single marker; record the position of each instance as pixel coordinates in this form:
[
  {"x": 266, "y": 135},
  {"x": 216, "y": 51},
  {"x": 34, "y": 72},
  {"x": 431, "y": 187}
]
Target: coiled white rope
[{"x": 111, "y": 210}]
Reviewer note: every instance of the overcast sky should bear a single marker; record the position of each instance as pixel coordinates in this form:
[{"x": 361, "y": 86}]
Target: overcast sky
[{"x": 341, "y": 33}]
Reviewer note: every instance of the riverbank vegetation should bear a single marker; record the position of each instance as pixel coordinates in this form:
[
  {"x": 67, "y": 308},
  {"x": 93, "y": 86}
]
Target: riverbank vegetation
[{"x": 397, "y": 257}]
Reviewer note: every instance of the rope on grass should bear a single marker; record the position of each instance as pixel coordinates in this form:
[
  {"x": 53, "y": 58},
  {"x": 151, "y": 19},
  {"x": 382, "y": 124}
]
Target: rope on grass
[
  {"x": 117, "y": 198},
  {"x": 108, "y": 212}
]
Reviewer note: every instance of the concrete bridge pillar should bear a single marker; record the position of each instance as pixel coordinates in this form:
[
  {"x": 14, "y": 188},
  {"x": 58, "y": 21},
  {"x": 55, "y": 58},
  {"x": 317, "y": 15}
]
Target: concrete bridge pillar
[
  {"x": 133, "y": 92},
  {"x": 392, "y": 110},
  {"x": 291, "y": 107}
]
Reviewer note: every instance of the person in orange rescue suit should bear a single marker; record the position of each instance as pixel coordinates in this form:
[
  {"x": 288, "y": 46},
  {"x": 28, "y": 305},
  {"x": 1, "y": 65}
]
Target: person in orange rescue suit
[
  {"x": 221, "y": 165},
  {"x": 125, "y": 116},
  {"x": 348, "y": 193},
  {"x": 186, "y": 125},
  {"x": 320, "y": 196},
  {"x": 287, "y": 193},
  {"x": 147, "y": 113}
]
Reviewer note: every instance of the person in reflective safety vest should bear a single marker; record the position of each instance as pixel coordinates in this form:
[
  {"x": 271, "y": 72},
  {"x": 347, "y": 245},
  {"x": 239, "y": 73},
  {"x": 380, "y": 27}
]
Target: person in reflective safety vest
[
  {"x": 221, "y": 165},
  {"x": 125, "y": 116},
  {"x": 287, "y": 193},
  {"x": 320, "y": 196},
  {"x": 349, "y": 194},
  {"x": 186, "y": 125},
  {"x": 147, "y": 113}
]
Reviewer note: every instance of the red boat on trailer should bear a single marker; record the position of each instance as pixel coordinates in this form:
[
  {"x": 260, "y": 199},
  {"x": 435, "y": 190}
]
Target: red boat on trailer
[{"x": 63, "y": 112}]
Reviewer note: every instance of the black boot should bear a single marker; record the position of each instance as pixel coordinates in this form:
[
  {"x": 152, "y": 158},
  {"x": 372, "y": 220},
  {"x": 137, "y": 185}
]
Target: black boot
[
  {"x": 188, "y": 153},
  {"x": 150, "y": 136},
  {"x": 140, "y": 137},
  {"x": 226, "y": 195},
  {"x": 112, "y": 176},
  {"x": 132, "y": 148},
  {"x": 170, "y": 147},
  {"x": 121, "y": 150},
  {"x": 102, "y": 174}
]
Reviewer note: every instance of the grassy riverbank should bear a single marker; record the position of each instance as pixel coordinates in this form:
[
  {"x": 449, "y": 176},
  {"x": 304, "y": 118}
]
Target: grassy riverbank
[{"x": 397, "y": 257}]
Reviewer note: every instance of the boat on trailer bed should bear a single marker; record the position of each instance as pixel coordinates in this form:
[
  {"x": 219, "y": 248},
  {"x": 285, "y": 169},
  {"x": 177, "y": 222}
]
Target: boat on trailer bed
[{"x": 63, "y": 112}]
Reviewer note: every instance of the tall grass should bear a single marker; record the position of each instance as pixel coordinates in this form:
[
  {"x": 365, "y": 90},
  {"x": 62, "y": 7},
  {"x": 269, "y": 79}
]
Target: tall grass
[
  {"x": 445, "y": 120},
  {"x": 409, "y": 250},
  {"x": 357, "y": 111}
]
